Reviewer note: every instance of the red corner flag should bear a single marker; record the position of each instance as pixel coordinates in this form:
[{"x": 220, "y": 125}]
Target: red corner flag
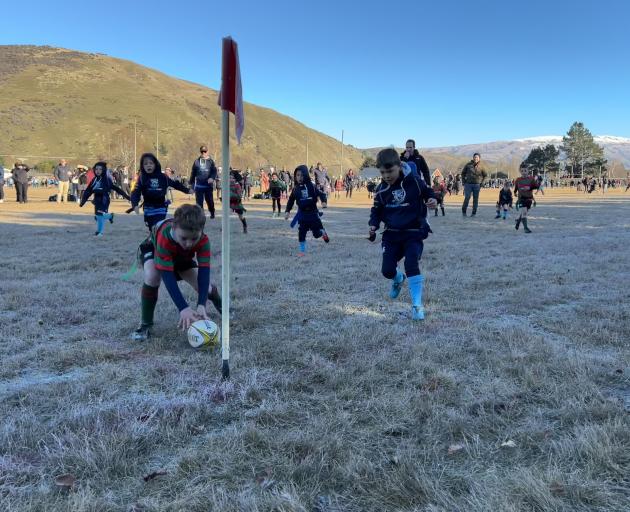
[{"x": 231, "y": 95}]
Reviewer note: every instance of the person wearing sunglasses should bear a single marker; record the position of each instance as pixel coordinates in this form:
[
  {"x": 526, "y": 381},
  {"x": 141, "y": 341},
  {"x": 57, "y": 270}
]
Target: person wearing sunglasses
[{"x": 202, "y": 178}]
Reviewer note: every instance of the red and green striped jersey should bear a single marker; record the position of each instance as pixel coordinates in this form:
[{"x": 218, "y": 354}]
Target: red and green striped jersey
[
  {"x": 525, "y": 187},
  {"x": 168, "y": 251}
]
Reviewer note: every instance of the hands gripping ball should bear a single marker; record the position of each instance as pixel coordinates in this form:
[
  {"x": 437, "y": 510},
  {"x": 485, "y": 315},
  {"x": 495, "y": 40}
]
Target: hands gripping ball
[{"x": 203, "y": 333}]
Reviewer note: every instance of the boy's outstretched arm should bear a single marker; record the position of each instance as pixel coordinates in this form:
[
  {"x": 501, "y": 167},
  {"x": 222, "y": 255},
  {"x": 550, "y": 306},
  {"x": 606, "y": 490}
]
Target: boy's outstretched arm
[
  {"x": 137, "y": 193},
  {"x": 178, "y": 186},
  {"x": 86, "y": 193},
  {"x": 120, "y": 191}
]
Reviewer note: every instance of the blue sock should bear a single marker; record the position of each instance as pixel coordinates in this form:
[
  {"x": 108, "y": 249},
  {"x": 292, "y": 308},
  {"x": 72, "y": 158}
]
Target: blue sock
[
  {"x": 415, "y": 289},
  {"x": 107, "y": 216},
  {"x": 100, "y": 223},
  {"x": 399, "y": 276},
  {"x": 302, "y": 246},
  {"x": 505, "y": 214}
]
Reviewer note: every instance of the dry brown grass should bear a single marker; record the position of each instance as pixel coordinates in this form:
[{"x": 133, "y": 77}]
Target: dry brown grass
[{"x": 337, "y": 402}]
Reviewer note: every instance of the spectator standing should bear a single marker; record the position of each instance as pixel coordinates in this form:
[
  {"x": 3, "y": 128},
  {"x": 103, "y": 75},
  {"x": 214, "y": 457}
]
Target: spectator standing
[
  {"x": 410, "y": 154},
  {"x": 203, "y": 178},
  {"x": 473, "y": 176},
  {"x": 322, "y": 182},
  {"x": 62, "y": 174},
  {"x": 20, "y": 178}
]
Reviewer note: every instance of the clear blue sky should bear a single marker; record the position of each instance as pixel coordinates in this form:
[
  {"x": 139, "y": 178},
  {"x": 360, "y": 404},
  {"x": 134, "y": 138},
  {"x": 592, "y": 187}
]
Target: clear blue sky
[{"x": 441, "y": 72}]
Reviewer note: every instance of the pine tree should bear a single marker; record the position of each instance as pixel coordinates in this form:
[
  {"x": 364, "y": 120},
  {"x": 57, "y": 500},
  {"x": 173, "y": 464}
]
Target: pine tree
[{"x": 582, "y": 153}]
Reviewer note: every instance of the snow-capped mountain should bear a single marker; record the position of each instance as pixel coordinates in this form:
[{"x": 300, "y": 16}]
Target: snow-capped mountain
[{"x": 616, "y": 149}]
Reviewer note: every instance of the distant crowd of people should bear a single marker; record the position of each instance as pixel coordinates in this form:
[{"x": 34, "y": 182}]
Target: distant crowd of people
[{"x": 277, "y": 184}]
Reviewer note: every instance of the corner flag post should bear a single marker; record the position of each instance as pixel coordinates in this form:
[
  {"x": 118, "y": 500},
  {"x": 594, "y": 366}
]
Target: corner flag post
[{"x": 230, "y": 100}]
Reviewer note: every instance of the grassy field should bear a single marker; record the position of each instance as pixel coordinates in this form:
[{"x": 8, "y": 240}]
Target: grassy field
[{"x": 513, "y": 395}]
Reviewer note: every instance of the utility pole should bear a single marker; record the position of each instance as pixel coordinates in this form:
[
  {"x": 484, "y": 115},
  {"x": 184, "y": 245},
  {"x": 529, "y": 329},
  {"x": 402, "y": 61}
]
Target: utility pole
[
  {"x": 135, "y": 145},
  {"x": 157, "y": 138},
  {"x": 341, "y": 162}
]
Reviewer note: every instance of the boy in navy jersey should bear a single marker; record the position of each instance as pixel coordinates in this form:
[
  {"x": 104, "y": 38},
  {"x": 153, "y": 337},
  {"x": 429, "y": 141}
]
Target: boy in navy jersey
[
  {"x": 152, "y": 185},
  {"x": 505, "y": 201},
  {"x": 308, "y": 219},
  {"x": 101, "y": 186},
  {"x": 399, "y": 202}
]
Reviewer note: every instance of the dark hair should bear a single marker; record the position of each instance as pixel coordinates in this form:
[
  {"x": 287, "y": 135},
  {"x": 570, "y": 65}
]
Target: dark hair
[
  {"x": 189, "y": 217},
  {"x": 387, "y": 158},
  {"x": 412, "y": 141},
  {"x": 304, "y": 171},
  {"x": 100, "y": 164},
  {"x": 151, "y": 156},
  {"x": 476, "y": 154}
]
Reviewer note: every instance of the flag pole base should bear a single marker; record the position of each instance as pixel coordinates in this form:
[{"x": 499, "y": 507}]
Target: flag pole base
[{"x": 225, "y": 369}]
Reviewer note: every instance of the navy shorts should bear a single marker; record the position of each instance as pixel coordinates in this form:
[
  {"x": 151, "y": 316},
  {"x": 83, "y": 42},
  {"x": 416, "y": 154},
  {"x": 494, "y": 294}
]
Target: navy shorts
[{"x": 398, "y": 245}]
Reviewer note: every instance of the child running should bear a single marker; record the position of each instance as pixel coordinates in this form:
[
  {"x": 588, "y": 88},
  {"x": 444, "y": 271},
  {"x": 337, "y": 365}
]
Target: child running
[
  {"x": 152, "y": 185},
  {"x": 179, "y": 250},
  {"x": 399, "y": 204},
  {"x": 505, "y": 201},
  {"x": 439, "y": 190},
  {"x": 236, "y": 201},
  {"x": 101, "y": 186},
  {"x": 307, "y": 217},
  {"x": 276, "y": 187},
  {"x": 524, "y": 187}
]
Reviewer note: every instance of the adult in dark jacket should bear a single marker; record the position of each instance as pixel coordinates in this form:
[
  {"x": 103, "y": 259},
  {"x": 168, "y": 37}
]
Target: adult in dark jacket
[
  {"x": 202, "y": 179},
  {"x": 20, "y": 178},
  {"x": 473, "y": 176},
  {"x": 322, "y": 181},
  {"x": 410, "y": 154},
  {"x": 348, "y": 182}
]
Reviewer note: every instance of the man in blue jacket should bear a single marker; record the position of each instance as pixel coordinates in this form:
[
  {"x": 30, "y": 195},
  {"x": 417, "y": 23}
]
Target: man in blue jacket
[
  {"x": 399, "y": 203},
  {"x": 202, "y": 179}
]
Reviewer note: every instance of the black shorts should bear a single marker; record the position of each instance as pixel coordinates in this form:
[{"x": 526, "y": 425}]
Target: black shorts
[
  {"x": 146, "y": 253},
  {"x": 525, "y": 202}
]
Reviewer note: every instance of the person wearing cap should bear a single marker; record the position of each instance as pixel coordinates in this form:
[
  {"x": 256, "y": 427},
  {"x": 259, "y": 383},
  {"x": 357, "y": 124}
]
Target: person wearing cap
[
  {"x": 63, "y": 174},
  {"x": 202, "y": 179},
  {"x": 411, "y": 155},
  {"x": 473, "y": 177},
  {"x": 20, "y": 178}
]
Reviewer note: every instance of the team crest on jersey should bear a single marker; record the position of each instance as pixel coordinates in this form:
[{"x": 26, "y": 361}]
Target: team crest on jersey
[{"x": 399, "y": 195}]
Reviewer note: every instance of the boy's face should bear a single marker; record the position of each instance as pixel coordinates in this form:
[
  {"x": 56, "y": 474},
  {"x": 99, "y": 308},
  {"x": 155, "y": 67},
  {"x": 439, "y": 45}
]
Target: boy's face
[
  {"x": 390, "y": 174},
  {"x": 524, "y": 173},
  {"x": 186, "y": 238}
]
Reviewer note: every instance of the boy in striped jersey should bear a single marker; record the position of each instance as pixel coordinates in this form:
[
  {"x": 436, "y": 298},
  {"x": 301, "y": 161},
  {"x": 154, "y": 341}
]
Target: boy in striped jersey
[
  {"x": 179, "y": 250},
  {"x": 524, "y": 188}
]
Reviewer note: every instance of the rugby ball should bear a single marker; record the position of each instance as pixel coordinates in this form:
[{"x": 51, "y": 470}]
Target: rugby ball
[{"x": 203, "y": 333}]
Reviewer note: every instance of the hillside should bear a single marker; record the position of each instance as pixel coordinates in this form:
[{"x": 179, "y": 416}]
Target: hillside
[
  {"x": 56, "y": 102},
  {"x": 506, "y": 154}
]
